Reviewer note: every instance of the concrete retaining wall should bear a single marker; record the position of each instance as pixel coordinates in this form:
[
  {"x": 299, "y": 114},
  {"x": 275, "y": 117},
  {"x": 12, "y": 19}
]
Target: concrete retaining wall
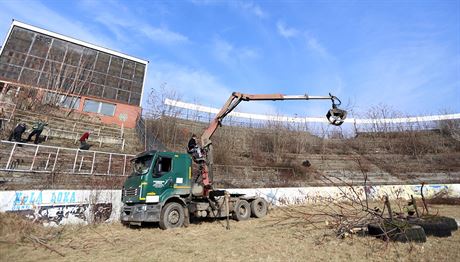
[{"x": 58, "y": 207}]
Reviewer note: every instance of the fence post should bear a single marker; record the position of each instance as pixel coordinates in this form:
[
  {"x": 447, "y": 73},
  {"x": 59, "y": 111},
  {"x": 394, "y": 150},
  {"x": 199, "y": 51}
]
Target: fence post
[
  {"x": 81, "y": 163},
  {"x": 33, "y": 159},
  {"x": 55, "y": 160},
  {"x": 92, "y": 164},
  {"x": 48, "y": 161},
  {"x": 75, "y": 160},
  {"x": 11, "y": 155},
  {"x": 110, "y": 162}
]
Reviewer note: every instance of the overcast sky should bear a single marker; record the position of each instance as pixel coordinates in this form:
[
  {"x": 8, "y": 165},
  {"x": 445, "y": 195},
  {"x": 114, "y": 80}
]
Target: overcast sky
[{"x": 403, "y": 54}]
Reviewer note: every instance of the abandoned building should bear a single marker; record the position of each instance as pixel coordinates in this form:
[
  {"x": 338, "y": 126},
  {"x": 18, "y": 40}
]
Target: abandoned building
[{"x": 73, "y": 74}]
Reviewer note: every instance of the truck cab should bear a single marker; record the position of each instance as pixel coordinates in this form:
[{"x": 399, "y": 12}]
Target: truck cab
[{"x": 157, "y": 178}]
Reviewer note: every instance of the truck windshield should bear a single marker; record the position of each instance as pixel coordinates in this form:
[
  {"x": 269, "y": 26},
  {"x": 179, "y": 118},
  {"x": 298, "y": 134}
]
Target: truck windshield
[{"x": 142, "y": 165}]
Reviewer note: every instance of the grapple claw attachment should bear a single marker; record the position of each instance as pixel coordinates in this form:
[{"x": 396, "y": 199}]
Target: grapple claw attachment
[{"x": 336, "y": 116}]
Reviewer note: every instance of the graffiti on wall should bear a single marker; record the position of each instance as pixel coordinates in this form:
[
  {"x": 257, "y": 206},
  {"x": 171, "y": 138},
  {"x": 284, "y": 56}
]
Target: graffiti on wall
[
  {"x": 29, "y": 199},
  {"x": 54, "y": 207},
  {"x": 62, "y": 214},
  {"x": 430, "y": 190}
]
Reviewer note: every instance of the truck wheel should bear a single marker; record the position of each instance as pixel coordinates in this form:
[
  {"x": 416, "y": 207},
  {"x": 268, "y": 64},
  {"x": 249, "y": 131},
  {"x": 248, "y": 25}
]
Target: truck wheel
[
  {"x": 259, "y": 207},
  {"x": 409, "y": 233},
  {"x": 436, "y": 226},
  {"x": 172, "y": 216},
  {"x": 242, "y": 210}
]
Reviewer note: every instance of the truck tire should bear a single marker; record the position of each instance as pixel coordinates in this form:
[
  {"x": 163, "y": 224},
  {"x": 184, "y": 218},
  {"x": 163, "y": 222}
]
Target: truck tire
[
  {"x": 172, "y": 216},
  {"x": 259, "y": 207},
  {"x": 408, "y": 233},
  {"x": 436, "y": 226},
  {"x": 242, "y": 210}
]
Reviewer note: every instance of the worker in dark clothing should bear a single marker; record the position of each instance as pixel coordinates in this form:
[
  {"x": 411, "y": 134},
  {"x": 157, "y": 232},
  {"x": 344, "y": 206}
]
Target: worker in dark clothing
[
  {"x": 37, "y": 129},
  {"x": 193, "y": 148},
  {"x": 83, "y": 144},
  {"x": 17, "y": 132}
]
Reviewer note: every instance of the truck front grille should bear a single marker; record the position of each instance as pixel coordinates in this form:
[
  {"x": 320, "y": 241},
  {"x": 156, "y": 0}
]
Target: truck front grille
[{"x": 131, "y": 191}]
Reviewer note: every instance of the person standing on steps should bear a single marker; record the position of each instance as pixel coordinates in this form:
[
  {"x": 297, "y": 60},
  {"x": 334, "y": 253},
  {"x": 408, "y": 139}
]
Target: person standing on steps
[
  {"x": 83, "y": 144},
  {"x": 37, "y": 129},
  {"x": 17, "y": 132}
]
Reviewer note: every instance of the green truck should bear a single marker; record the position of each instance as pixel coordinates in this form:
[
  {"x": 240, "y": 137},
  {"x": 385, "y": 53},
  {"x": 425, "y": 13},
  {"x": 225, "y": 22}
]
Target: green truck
[{"x": 162, "y": 187}]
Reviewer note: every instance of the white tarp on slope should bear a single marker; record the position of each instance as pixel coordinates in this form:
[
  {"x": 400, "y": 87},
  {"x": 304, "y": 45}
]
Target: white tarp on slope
[{"x": 279, "y": 118}]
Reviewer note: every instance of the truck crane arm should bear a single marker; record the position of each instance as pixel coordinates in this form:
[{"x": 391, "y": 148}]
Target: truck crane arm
[{"x": 335, "y": 116}]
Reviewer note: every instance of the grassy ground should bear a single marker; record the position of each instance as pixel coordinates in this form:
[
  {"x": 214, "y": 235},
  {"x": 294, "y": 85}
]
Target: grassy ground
[{"x": 253, "y": 240}]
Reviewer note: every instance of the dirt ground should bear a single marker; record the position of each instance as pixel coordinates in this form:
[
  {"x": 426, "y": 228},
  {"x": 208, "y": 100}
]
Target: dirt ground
[{"x": 253, "y": 240}]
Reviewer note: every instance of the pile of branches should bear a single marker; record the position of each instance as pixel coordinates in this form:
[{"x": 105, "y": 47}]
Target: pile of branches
[{"x": 353, "y": 213}]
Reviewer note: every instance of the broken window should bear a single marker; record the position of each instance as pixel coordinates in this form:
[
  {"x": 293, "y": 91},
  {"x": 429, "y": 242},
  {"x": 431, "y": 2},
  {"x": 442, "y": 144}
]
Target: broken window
[
  {"x": 128, "y": 70},
  {"x": 115, "y": 66},
  {"x": 9, "y": 72},
  {"x": 123, "y": 95},
  {"x": 34, "y": 63},
  {"x": 139, "y": 72},
  {"x": 20, "y": 40},
  {"x": 40, "y": 46},
  {"x": 135, "y": 99},
  {"x": 110, "y": 93},
  {"x": 88, "y": 59},
  {"x": 73, "y": 56},
  {"x": 29, "y": 77},
  {"x": 58, "y": 50},
  {"x": 102, "y": 62}
]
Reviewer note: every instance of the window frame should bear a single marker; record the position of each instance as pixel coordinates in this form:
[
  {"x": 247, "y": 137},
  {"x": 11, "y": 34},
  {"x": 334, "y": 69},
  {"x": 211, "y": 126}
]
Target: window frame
[
  {"x": 99, "y": 107},
  {"x": 156, "y": 173}
]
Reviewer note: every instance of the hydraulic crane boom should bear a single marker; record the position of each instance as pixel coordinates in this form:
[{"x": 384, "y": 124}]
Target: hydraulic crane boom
[{"x": 335, "y": 116}]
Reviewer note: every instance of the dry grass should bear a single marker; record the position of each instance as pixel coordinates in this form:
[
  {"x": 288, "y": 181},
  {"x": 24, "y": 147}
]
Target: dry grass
[{"x": 253, "y": 240}]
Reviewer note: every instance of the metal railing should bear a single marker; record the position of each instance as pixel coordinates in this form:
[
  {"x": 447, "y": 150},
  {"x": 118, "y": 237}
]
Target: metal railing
[{"x": 31, "y": 158}]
